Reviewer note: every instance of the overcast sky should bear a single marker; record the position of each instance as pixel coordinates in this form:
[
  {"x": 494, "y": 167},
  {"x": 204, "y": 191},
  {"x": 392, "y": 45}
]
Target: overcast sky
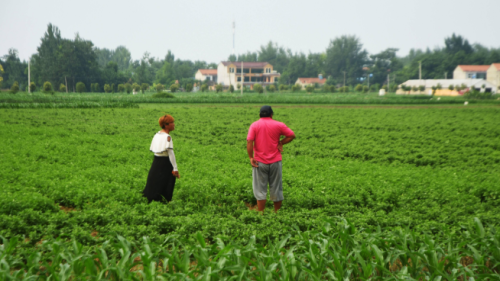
[{"x": 202, "y": 29}]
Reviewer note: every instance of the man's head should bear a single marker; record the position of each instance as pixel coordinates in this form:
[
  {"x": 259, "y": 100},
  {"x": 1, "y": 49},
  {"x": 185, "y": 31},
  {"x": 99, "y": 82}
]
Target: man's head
[{"x": 266, "y": 111}]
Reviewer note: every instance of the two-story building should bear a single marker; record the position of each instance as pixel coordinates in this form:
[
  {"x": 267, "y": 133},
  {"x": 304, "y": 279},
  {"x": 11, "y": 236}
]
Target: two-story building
[
  {"x": 493, "y": 74},
  {"x": 229, "y": 73}
]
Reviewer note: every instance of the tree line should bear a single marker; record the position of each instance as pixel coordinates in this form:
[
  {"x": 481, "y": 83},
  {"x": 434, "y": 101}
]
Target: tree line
[{"x": 67, "y": 62}]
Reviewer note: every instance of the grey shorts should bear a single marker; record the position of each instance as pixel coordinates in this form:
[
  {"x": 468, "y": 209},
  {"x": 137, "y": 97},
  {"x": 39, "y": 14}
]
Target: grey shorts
[{"x": 268, "y": 174}]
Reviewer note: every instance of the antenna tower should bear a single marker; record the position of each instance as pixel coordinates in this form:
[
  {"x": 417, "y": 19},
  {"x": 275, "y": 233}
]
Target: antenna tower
[{"x": 233, "y": 37}]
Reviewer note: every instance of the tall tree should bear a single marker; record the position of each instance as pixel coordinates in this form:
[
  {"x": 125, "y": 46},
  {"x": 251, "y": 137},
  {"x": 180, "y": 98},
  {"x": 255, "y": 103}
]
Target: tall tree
[
  {"x": 277, "y": 56},
  {"x": 14, "y": 70},
  {"x": 382, "y": 64},
  {"x": 122, "y": 57},
  {"x": 345, "y": 54}
]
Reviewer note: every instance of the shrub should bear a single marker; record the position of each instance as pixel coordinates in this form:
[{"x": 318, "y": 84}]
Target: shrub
[
  {"x": 231, "y": 88},
  {"x": 162, "y": 95},
  {"x": 439, "y": 87},
  {"x": 218, "y": 88},
  {"x": 365, "y": 89},
  {"x": 80, "y": 87},
  {"x": 32, "y": 87},
  {"x": 421, "y": 88},
  {"x": 271, "y": 88},
  {"x": 296, "y": 88},
  {"x": 15, "y": 88},
  {"x": 144, "y": 87},
  {"x": 96, "y": 88},
  {"x": 113, "y": 88},
  {"x": 128, "y": 88},
  {"x": 121, "y": 88},
  {"x": 189, "y": 88},
  {"x": 451, "y": 87},
  {"x": 258, "y": 88},
  {"x": 159, "y": 88},
  {"x": 333, "y": 89},
  {"x": 238, "y": 86},
  {"x": 344, "y": 89},
  {"x": 414, "y": 88},
  {"x": 47, "y": 87},
  {"x": 283, "y": 87},
  {"x": 107, "y": 88},
  {"x": 136, "y": 87},
  {"x": 326, "y": 88},
  {"x": 358, "y": 88},
  {"x": 174, "y": 87},
  {"x": 393, "y": 87},
  {"x": 62, "y": 88},
  {"x": 204, "y": 87},
  {"x": 309, "y": 88}
]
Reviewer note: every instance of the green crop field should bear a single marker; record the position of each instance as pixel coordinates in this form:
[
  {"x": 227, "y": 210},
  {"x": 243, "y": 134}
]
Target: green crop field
[{"x": 371, "y": 193}]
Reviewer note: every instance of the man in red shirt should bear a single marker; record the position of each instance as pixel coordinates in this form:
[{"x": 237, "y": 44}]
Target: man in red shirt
[{"x": 263, "y": 140}]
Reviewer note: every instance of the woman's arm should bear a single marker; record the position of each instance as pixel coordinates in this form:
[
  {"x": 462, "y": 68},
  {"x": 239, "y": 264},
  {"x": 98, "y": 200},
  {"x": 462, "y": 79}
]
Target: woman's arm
[{"x": 171, "y": 156}]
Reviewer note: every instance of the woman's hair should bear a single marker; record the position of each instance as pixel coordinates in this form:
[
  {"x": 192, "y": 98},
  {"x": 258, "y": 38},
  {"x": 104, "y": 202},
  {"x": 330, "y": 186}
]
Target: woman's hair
[{"x": 165, "y": 120}]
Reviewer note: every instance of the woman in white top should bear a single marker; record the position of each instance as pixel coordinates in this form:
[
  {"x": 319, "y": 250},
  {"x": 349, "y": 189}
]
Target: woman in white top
[{"x": 161, "y": 177}]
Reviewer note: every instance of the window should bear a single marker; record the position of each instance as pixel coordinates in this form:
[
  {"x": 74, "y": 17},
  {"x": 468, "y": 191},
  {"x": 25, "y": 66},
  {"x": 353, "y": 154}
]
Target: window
[
  {"x": 275, "y": 79},
  {"x": 268, "y": 70},
  {"x": 257, "y": 70},
  {"x": 231, "y": 69}
]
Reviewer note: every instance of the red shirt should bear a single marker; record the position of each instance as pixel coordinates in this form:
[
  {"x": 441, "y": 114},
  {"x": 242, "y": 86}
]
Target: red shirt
[{"x": 266, "y": 134}]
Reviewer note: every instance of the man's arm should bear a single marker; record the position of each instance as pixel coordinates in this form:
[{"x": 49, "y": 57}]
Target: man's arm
[
  {"x": 250, "y": 153},
  {"x": 285, "y": 141}
]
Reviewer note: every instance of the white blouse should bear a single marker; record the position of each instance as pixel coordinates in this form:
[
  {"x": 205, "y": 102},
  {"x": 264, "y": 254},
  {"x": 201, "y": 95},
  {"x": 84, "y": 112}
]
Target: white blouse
[{"x": 163, "y": 146}]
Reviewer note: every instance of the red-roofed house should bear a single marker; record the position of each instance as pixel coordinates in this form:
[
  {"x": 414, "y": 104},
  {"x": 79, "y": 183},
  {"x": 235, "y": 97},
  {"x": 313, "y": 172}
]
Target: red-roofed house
[
  {"x": 493, "y": 74},
  {"x": 303, "y": 81},
  {"x": 229, "y": 73},
  {"x": 470, "y": 72},
  {"x": 204, "y": 74}
]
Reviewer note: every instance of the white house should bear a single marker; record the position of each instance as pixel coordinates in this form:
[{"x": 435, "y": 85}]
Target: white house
[
  {"x": 206, "y": 74},
  {"x": 470, "y": 72},
  {"x": 229, "y": 73},
  {"x": 305, "y": 81}
]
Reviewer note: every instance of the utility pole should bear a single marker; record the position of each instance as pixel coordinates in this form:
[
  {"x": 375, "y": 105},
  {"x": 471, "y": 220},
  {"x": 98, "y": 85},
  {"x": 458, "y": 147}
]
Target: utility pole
[
  {"x": 446, "y": 75},
  {"x": 368, "y": 75},
  {"x": 29, "y": 77},
  {"x": 242, "y": 78},
  {"x": 344, "y": 78},
  {"x": 419, "y": 70},
  {"x": 388, "y": 82}
]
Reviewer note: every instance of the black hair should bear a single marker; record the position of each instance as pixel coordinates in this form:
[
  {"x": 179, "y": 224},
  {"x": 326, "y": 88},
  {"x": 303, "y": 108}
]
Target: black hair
[{"x": 265, "y": 114}]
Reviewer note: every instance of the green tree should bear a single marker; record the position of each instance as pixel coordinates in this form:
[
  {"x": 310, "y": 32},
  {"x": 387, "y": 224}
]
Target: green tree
[
  {"x": 439, "y": 87},
  {"x": 107, "y": 88},
  {"x": 136, "y": 87},
  {"x": 282, "y": 87},
  {"x": 80, "y": 87},
  {"x": 128, "y": 88},
  {"x": 159, "y": 88},
  {"x": 296, "y": 88},
  {"x": 14, "y": 88},
  {"x": 32, "y": 87},
  {"x": 414, "y": 88},
  {"x": 174, "y": 87},
  {"x": 258, "y": 88},
  {"x": 204, "y": 88},
  {"x": 365, "y": 89},
  {"x": 309, "y": 88},
  {"x": 62, "y": 88},
  {"x": 144, "y": 87},
  {"x": 47, "y": 87},
  {"x": 121, "y": 88},
  {"x": 345, "y": 54},
  {"x": 231, "y": 88},
  {"x": 271, "y": 88},
  {"x": 358, "y": 88},
  {"x": 421, "y": 88},
  {"x": 451, "y": 87},
  {"x": 218, "y": 88}
]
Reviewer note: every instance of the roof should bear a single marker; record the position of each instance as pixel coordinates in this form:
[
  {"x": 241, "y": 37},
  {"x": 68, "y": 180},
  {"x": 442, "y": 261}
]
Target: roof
[
  {"x": 497, "y": 65},
  {"x": 246, "y": 64},
  {"x": 305, "y": 80},
  {"x": 479, "y": 68},
  {"x": 208, "y": 71},
  {"x": 445, "y": 83}
]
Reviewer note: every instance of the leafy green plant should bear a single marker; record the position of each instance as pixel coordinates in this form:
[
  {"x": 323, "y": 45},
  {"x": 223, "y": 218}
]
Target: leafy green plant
[
  {"x": 174, "y": 87},
  {"x": 62, "y": 88},
  {"x": 121, "y": 88},
  {"x": 309, "y": 88},
  {"x": 15, "y": 88},
  {"x": 218, "y": 88},
  {"x": 47, "y": 87},
  {"x": 32, "y": 87},
  {"x": 258, "y": 88},
  {"x": 107, "y": 88}
]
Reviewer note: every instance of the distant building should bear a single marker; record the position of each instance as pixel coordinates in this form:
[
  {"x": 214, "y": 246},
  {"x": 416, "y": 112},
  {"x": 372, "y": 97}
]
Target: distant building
[
  {"x": 493, "y": 74},
  {"x": 304, "y": 81},
  {"x": 206, "y": 74},
  {"x": 470, "y": 72},
  {"x": 445, "y": 84},
  {"x": 229, "y": 73}
]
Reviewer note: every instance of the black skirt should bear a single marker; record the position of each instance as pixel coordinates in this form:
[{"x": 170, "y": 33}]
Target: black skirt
[{"x": 161, "y": 182}]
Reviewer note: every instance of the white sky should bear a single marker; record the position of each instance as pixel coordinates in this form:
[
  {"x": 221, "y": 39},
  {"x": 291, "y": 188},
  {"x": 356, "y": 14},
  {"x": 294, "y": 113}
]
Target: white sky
[{"x": 201, "y": 29}]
